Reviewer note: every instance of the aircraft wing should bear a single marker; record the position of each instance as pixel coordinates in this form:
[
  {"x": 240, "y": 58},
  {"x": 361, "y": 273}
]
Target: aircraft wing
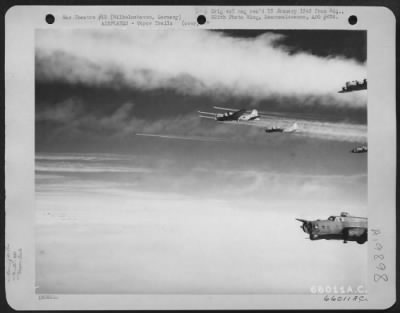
[
  {"x": 209, "y": 117},
  {"x": 248, "y": 123},
  {"x": 234, "y": 111},
  {"x": 234, "y": 122},
  {"x": 225, "y": 109},
  {"x": 281, "y": 116},
  {"x": 209, "y": 113},
  {"x": 273, "y": 114}
]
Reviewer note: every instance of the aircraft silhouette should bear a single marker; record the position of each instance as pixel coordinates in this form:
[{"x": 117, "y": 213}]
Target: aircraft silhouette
[
  {"x": 275, "y": 129},
  {"x": 360, "y": 149},
  {"x": 343, "y": 227},
  {"x": 231, "y": 115},
  {"x": 354, "y": 86}
]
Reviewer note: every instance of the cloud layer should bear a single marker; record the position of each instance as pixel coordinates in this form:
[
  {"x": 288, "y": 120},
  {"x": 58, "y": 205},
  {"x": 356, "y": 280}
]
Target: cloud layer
[
  {"x": 215, "y": 178},
  {"x": 194, "y": 63},
  {"x": 204, "y": 231}
]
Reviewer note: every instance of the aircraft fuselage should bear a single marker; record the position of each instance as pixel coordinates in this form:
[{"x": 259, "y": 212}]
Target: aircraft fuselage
[
  {"x": 230, "y": 116},
  {"x": 274, "y": 130},
  {"x": 354, "y": 86},
  {"x": 343, "y": 227},
  {"x": 361, "y": 149}
]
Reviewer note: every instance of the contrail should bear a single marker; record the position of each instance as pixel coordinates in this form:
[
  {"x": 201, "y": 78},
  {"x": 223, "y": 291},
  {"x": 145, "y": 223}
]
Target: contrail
[
  {"x": 333, "y": 131},
  {"x": 323, "y": 130},
  {"x": 192, "y": 138}
]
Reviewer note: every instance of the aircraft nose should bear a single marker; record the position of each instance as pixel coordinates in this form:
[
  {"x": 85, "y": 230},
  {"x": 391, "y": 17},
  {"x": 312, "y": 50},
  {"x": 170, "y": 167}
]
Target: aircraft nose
[{"x": 305, "y": 227}]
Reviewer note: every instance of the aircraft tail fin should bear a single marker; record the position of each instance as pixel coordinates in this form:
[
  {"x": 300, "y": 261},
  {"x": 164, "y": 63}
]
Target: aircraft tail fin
[
  {"x": 254, "y": 112},
  {"x": 292, "y": 128}
]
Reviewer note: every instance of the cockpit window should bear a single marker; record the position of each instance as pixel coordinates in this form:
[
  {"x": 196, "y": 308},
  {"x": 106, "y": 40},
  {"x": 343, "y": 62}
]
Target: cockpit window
[{"x": 331, "y": 218}]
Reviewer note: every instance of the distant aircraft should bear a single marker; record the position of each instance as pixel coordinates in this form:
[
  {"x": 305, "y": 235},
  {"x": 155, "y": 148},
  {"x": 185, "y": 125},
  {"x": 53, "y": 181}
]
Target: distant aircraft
[
  {"x": 275, "y": 129},
  {"x": 343, "y": 227},
  {"x": 231, "y": 115},
  {"x": 360, "y": 149},
  {"x": 354, "y": 86}
]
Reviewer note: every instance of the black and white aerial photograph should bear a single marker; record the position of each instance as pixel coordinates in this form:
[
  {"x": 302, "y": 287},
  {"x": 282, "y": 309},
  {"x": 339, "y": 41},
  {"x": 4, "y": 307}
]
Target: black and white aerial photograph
[{"x": 222, "y": 162}]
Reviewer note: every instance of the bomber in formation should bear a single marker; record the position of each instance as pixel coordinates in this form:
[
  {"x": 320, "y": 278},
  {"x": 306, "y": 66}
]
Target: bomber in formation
[
  {"x": 354, "y": 86},
  {"x": 360, "y": 149},
  {"x": 231, "y": 115},
  {"x": 277, "y": 129},
  {"x": 343, "y": 227}
]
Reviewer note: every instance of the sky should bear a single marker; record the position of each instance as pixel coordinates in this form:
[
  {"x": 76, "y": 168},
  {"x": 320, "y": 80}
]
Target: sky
[
  {"x": 95, "y": 88},
  {"x": 213, "y": 205}
]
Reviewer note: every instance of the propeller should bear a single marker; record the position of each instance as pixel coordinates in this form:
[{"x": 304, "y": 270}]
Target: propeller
[{"x": 306, "y": 227}]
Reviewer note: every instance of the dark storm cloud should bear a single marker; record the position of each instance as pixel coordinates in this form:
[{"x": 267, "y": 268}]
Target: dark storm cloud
[
  {"x": 323, "y": 43},
  {"x": 195, "y": 63}
]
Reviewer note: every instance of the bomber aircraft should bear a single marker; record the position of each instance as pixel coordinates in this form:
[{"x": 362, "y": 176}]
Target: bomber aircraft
[
  {"x": 343, "y": 227},
  {"x": 275, "y": 129},
  {"x": 354, "y": 86},
  {"x": 360, "y": 149},
  {"x": 231, "y": 115}
]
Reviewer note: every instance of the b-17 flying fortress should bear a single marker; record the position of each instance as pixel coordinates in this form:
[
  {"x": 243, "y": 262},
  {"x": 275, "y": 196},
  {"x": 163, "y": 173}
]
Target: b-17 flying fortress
[
  {"x": 277, "y": 129},
  {"x": 360, "y": 149},
  {"x": 354, "y": 86},
  {"x": 344, "y": 227},
  {"x": 231, "y": 115}
]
